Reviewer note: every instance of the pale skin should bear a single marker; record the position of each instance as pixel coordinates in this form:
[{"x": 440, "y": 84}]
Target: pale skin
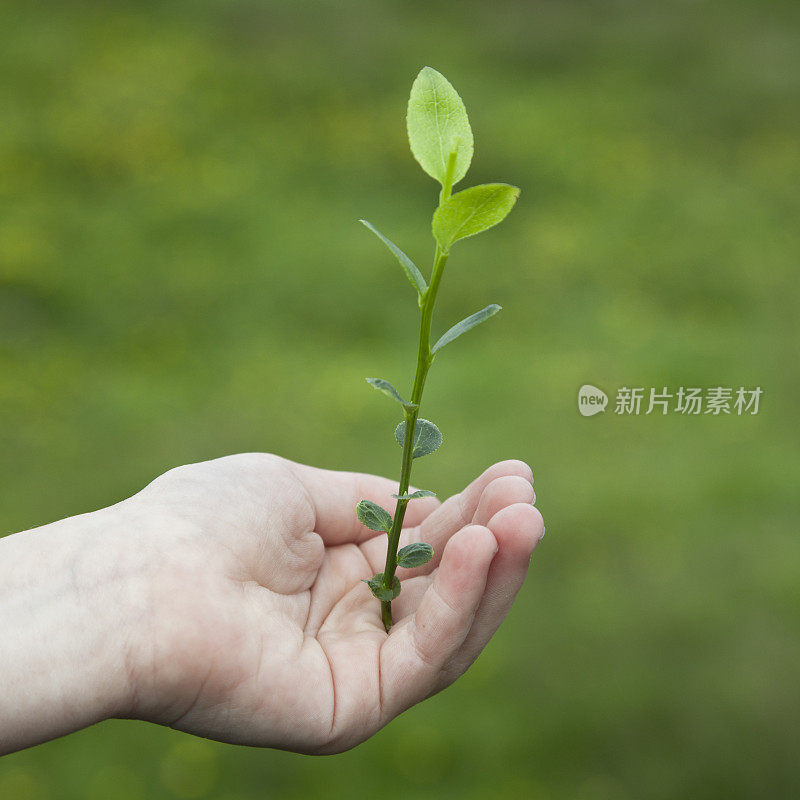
[{"x": 225, "y": 600}]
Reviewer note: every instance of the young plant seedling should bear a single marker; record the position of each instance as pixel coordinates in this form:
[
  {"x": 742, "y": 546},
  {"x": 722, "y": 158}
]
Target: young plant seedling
[{"x": 441, "y": 141}]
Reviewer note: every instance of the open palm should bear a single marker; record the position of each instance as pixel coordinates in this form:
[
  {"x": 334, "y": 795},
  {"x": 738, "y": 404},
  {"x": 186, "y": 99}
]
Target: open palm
[{"x": 262, "y": 630}]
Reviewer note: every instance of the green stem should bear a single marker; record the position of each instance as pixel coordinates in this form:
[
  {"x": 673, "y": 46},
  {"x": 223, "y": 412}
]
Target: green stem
[
  {"x": 447, "y": 186},
  {"x": 424, "y": 361}
]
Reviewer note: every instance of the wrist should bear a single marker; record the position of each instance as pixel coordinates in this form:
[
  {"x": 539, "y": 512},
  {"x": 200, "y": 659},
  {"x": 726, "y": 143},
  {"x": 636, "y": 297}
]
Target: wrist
[{"x": 67, "y": 611}]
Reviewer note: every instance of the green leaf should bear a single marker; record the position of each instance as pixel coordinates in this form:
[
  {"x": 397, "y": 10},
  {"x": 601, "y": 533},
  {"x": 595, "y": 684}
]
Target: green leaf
[
  {"x": 410, "y": 268},
  {"x": 384, "y": 386},
  {"x": 438, "y": 125},
  {"x": 414, "y": 555},
  {"x": 375, "y": 584},
  {"x": 373, "y": 516},
  {"x": 415, "y": 495},
  {"x": 465, "y": 325},
  {"x": 427, "y": 437},
  {"x": 472, "y": 211}
]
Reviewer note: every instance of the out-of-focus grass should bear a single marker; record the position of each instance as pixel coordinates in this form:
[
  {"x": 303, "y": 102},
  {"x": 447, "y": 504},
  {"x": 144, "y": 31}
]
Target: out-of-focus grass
[{"x": 182, "y": 276}]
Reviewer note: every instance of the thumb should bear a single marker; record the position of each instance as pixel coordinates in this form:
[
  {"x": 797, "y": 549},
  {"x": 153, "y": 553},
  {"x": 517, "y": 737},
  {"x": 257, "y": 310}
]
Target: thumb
[{"x": 416, "y": 652}]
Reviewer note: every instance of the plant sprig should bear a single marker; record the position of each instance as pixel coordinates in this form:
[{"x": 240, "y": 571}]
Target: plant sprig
[{"x": 441, "y": 140}]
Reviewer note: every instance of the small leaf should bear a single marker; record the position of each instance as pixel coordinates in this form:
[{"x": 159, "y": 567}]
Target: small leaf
[
  {"x": 414, "y": 555},
  {"x": 427, "y": 437},
  {"x": 375, "y": 584},
  {"x": 415, "y": 495},
  {"x": 373, "y": 516},
  {"x": 438, "y": 125},
  {"x": 410, "y": 268},
  {"x": 384, "y": 386},
  {"x": 465, "y": 325},
  {"x": 472, "y": 211}
]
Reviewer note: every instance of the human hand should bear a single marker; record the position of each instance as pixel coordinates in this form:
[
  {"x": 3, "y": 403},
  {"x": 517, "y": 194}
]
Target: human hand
[
  {"x": 262, "y": 632},
  {"x": 229, "y": 601}
]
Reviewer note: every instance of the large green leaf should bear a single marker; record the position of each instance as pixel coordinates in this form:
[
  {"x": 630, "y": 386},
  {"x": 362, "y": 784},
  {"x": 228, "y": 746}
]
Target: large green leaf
[
  {"x": 373, "y": 516},
  {"x": 409, "y": 267},
  {"x": 465, "y": 325},
  {"x": 472, "y": 211},
  {"x": 427, "y": 437},
  {"x": 438, "y": 126}
]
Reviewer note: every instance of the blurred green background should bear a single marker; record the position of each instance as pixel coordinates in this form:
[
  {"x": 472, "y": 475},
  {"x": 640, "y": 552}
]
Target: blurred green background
[{"x": 182, "y": 276}]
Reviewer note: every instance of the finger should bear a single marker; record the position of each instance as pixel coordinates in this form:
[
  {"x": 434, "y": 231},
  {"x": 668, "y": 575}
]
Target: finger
[
  {"x": 413, "y": 590},
  {"x": 459, "y": 510},
  {"x": 415, "y": 653},
  {"x": 505, "y": 482},
  {"x": 502, "y": 492},
  {"x": 517, "y": 529},
  {"x": 333, "y": 497},
  {"x": 499, "y": 494}
]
